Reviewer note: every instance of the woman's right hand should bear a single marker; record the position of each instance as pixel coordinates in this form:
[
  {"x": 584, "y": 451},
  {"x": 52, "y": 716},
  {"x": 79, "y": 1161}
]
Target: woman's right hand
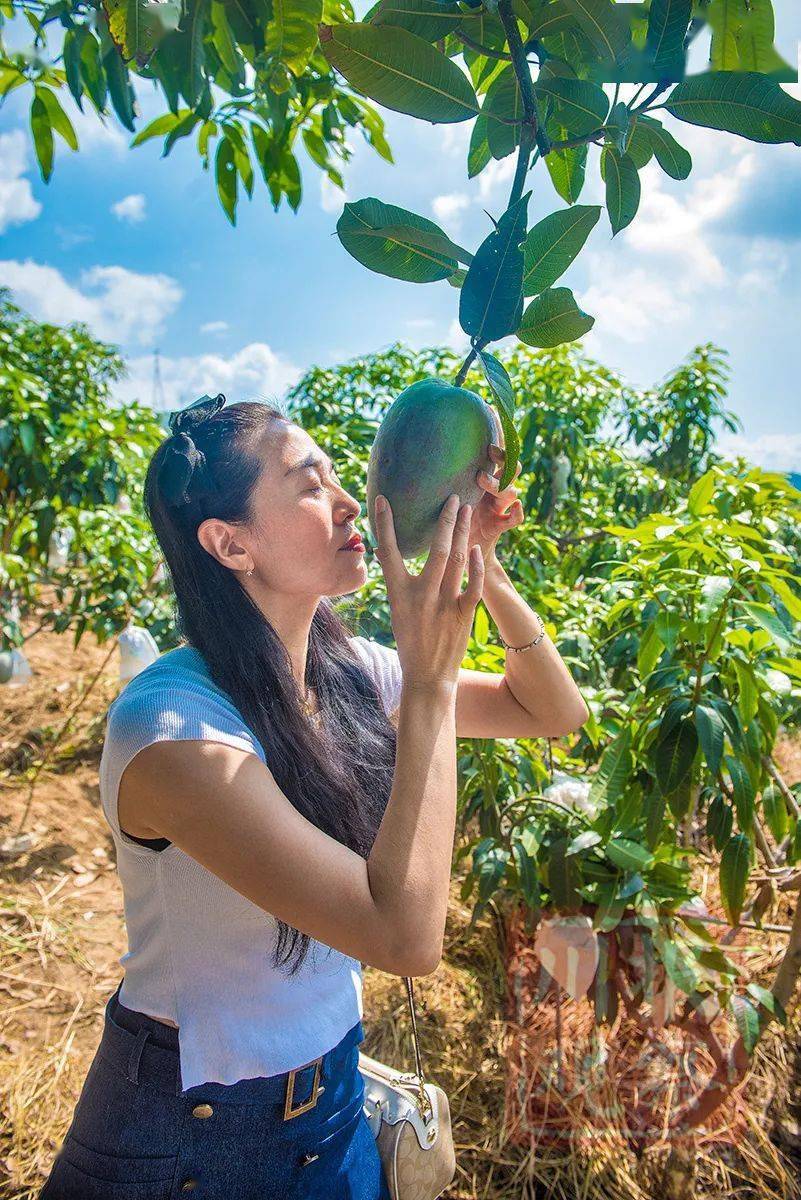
[{"x": 431, "y": 616}]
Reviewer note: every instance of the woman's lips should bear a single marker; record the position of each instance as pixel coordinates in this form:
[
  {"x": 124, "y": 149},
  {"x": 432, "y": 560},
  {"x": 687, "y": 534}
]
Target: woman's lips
[{"x": 357, "y": 546}]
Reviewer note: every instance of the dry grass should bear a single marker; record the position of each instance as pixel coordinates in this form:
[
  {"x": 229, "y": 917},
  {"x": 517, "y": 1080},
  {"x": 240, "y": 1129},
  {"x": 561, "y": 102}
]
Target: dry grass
[{"x": 62, "y": 933}]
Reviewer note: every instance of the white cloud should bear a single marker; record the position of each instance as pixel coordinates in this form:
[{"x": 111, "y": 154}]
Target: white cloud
[
  {"x": 17, "y": 203},
  {"x": 117, "y": 304},
  {"x": 496, "y": 178},
  {"x": 455, "y": 138},
  {"x": 130, "y": 208},
  {"x": 766, "y": 262},
  {"x": 214, "y": 327},
  {"x": 332, "y": 198},
  {"x": 626, "y": 304},
  {"x": 256, "y": 372},
  {"x": 771, "y": 451},
  {"x": 456, "y": 337},
  {"x": 448, "y": 209}
]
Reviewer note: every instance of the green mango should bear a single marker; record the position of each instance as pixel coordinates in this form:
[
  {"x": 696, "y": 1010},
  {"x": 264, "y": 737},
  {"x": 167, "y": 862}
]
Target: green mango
[
  {"x": 433, "y": 440},
  {"x": 6, "y": 666}
]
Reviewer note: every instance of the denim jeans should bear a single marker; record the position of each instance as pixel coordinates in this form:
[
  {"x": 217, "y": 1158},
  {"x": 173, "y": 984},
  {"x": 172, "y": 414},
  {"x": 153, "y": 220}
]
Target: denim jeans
[{"x": 135, "y": 1136}]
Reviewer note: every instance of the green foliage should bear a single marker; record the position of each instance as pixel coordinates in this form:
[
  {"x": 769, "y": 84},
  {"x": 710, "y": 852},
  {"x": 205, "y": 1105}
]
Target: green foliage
[{"x": 66, "y": 458}]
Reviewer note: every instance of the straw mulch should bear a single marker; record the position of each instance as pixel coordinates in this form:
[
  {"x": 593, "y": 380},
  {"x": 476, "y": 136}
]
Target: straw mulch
[{"x": 62, "y": 934}]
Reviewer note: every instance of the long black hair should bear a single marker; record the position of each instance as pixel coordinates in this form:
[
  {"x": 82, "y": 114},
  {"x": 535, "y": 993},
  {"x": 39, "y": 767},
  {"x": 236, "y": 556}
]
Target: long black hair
[{"x": 338, "y": 773}]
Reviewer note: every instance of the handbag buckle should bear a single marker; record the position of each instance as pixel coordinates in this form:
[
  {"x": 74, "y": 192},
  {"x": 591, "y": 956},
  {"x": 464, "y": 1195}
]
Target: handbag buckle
[{"x": 289, "y": 1111}]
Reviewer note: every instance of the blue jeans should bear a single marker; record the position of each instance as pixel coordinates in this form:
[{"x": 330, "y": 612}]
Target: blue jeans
[{"x": 135, "y": 1136}]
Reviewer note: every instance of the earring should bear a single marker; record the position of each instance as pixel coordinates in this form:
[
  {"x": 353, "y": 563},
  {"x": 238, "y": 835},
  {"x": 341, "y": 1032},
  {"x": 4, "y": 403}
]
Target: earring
[{"x": 250, "y": 572}]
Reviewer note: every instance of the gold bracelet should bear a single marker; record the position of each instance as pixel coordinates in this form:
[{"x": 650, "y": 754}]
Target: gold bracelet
[{"x": 536, "y": 641}]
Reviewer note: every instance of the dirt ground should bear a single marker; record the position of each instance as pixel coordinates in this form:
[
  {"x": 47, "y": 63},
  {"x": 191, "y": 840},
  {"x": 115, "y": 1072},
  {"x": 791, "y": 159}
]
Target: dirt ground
[{"x": 62, "y": 935}]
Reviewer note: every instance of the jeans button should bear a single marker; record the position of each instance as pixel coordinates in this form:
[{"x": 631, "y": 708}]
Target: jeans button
[
  {"x": 188, "y": 1185},
  {"x": 309, "y": 1158},
  {"x": 202, "y": 1110}
]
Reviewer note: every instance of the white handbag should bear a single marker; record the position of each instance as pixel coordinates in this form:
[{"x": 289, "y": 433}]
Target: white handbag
[{"x": 411, "y": 1123}]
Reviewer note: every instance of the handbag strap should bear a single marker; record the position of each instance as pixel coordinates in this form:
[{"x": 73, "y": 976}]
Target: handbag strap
[{"x": 424, "y": 1099}]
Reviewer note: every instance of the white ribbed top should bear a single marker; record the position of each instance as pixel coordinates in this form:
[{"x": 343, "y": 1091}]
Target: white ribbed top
[{"x": 199, "y": 952}]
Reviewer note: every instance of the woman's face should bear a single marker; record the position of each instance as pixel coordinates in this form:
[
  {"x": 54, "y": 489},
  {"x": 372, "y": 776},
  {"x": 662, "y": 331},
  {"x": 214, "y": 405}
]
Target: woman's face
[{"x": 302, "y": 519}]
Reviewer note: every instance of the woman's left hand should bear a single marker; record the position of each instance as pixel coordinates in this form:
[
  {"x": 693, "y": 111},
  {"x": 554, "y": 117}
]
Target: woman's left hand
[{"x": 490, "y": 518}]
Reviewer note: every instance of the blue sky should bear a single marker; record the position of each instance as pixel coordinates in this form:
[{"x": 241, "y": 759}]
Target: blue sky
[{"x": 139, "y": 248}]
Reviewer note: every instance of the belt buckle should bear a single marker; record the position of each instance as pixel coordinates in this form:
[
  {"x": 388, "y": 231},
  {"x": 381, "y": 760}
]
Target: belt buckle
[{"x": 289, "y": 1111}]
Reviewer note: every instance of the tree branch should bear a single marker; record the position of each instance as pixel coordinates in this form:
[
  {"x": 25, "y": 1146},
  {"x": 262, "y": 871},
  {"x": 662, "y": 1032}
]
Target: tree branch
[{"x": 485, "y": 50}]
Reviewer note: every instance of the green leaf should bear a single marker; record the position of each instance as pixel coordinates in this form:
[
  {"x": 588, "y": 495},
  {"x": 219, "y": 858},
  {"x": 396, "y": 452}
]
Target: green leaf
[
  {"x": 674, "y": 160},
  {"x": 775, "y": 811},
  {"x": 747, "y": 1020},
  {"x": 709, "y": 724},
  {"x": 764, "y": 616},
  {"x": 701, "y": 493},
  {"x": 654, "y": 808},
  {"x": 491, "y": 299},
  {"x": 719, "y": 821},
  {"x": 393, "y": 241},
  {"x": 120, "y": 89},
  {"x": 564, "y": 875},
  {"x": 226, "y": 177},
  {"x": 744, "y": 793},
  {"x": 159, "y": 125},
  {"x": 580, "y": 106},
  {"x": 628, "y": 855},
  {"x": 714, "y": 590},
  {"x": 613, "y": 772},
  {"x": 501, "y": 385},
  {"x": 491, "y": 871},
  {"x": 735, "y": 862},
  {"x": 674, "y": 755},
  {"x": 72, "y": 61},
  {"x": 649, "y": 651},
  {"x": 553, "y": 318},
  {"x": 92, "y": 74},
  {"x": 667, "y": 26},
  {"x": 742, "y": 102},
  {"x": 584, "y": 841},
  {"x": 610, "y": 908},
  {"x": 553, "y": 243},
  {"x": 223, "y": 38},
  {"x": 59, "y": 121},
  {"x": 567, "y": 169},
  {"x": 622, "y": 188},
  {"x": 180, "y": 130},
  {"x": 748, "y": 691},
  {"x": 503, "y": 100},
  {"x": 677, "y": 964},
  {"x": 137, "y": 26},
  {"x": 767, "y": 999},
  {"x": 527, "y": 871},
  {"x": 604, "y": 24},
  {"x": 399, "y": 70},
  {"x": 668, "y": 627},
  {"x": 429, "y": 19},
  {"x": 291, "y": 35},
  {"x": 479, "y": 152},
  {"x": 42, "y": 136}
]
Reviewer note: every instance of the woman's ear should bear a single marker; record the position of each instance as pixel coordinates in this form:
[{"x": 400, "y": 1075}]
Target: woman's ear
[{"x": 225, "y": 543}]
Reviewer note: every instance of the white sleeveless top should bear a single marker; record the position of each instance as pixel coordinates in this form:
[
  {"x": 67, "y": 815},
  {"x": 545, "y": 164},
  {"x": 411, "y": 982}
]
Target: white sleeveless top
[{"x": 199, "y": 952}]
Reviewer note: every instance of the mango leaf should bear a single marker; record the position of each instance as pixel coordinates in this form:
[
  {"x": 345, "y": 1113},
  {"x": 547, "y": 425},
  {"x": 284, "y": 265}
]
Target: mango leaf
[
  {"x": 775, "y": 811},
  {"x": 503, "y": 100},
  {"x": 719, "y": 821},
  {"x": 622, "y": 188},
  {"x": 564, "y": 875},
  {"x": 668, "y": 627},
  {"x": 734, "y": 867},
  {"x": 491, "y": 871},
  {"x": 578, "y": 105},
  {"x": 491, "y": 300},
  {"x": 478, "y": 154},
  {"x": 553, "y": 318},
  {"x": 226, "y": 178},
  {"x": 553, "y": 243},
  {"x": 59, "y": 121},
  {"x": 610, "y": 908},
  {"x": 159, "y": 125},
  {"x": 613, "y": 771},
  {"x": 628, "y": 855},
  {"x": 654, "y": 809},
  {"x": 399, "y": 70},
  {"x": 604, "y": 25},
  {"x": 567, "y": 168},
  {"x": 709, "y": 724},
  {"x": 649, "y": 651},
  {"x": 746, "y": 1018},
  {"x": 291, "y": 35},
  {"x": 701, "y": 493},
  {"x": 500, "y": 383},
  {"x": 767, "y": 999},
  {"x": 393, "y": 241},
  {"x": 674, "y": 160},
  {"x": 742, "y": 102},
  {"x": 42, "y": 136},
  {"x": 527, "y": 873},
  {"x": 744, "y": 793},
  {"x": 680, "y": 798},
  {"x": 764, "y": 616},
  {"x": 138, "y": 26},
  {"x": 584, "y": 841},
  {"x": 429, "y": 19},
  {"x": 120, "y": 88},
  {"x": 667, "y": 26},
  {"x": 674, "y": 755},
  {"x": 714, "y": 590},
  {"x": 223, "y": 39},
  {"x": 678, "y": 965}
]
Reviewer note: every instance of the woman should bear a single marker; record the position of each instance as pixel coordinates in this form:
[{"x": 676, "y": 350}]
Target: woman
[{"x": 273, "y": 832}]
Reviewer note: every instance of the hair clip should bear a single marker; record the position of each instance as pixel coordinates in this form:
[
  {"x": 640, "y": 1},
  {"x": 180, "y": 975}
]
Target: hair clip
[{"x": 199, "y": 411}]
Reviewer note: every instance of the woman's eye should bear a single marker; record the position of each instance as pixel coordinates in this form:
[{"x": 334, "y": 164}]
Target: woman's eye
[{"x": 315, "y": 489}]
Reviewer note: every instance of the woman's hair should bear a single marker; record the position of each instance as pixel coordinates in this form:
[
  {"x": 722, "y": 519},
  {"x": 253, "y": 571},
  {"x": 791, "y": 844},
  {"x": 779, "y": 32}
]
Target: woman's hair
[{"x": 337, "y": 773}]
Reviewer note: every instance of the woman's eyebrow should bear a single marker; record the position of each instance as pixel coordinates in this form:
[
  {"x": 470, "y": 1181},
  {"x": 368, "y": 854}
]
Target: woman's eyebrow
[{"x": 311, "y": 460}]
